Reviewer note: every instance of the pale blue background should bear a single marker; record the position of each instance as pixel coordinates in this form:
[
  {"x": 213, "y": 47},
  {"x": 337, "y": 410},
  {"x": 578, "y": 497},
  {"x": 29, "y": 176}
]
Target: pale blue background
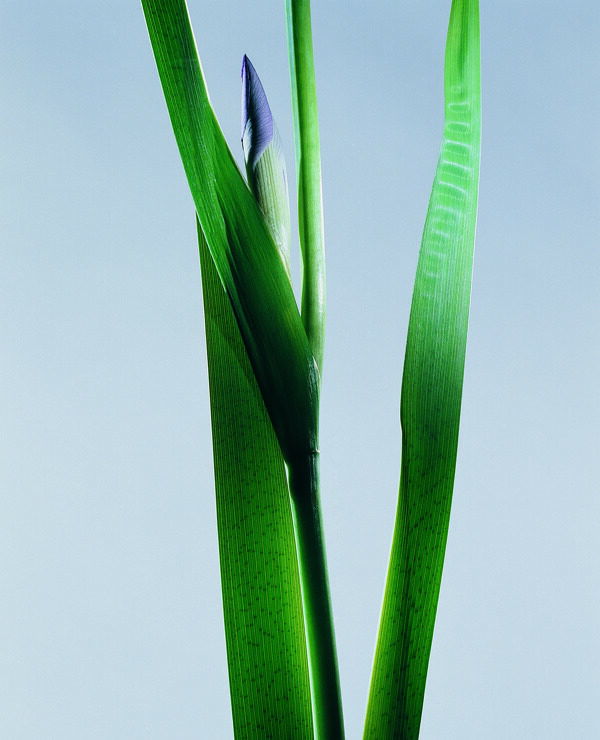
[{"x": 110, "y": 613}]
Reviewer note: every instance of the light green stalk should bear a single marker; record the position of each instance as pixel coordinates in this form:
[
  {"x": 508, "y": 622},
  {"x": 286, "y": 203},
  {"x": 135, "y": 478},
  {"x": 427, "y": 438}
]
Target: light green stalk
[
  {"x": 308, "y": 165},
  {"x": 304, "y": 476},
  {"x": 431, "y": 397},
  {"x": 271, "y": 193}
]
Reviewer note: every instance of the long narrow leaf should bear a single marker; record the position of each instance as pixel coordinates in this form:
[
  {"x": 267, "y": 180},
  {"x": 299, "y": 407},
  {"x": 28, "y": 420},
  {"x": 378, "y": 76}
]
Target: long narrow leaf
[
  {"x": 431, "y": 397},
  {"x": 262, "y": 604},
  {"x": 239, "y": 241},
  {"x": 246, "y": 286}
]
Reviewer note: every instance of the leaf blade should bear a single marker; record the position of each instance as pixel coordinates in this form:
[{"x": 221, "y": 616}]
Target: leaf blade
[
  {"x": 255, "y": 339},
  {"x": 262, "y": 603},
  {"x": 240, "y": 243},
  {"x": 431, "y": 397}
]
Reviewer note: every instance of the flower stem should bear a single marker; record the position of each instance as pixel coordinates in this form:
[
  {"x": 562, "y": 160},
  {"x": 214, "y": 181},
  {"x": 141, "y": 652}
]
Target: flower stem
[
  {"x": 322, "y": 657},
  {"x": 308, "y": 167}
]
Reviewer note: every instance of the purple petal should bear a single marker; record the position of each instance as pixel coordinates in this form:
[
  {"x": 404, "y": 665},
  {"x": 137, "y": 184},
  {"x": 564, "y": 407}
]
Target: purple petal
[{"x": 257, "y": 121}]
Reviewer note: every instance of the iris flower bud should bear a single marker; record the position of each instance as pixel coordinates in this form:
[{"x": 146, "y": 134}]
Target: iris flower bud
[{"x": 265, "y": 163}]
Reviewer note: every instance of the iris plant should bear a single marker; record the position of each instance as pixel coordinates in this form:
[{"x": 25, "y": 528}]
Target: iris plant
[{"x": 265, "y": 358}]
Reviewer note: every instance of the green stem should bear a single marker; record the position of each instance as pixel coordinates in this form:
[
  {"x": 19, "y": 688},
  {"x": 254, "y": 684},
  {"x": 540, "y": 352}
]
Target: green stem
[
  {"x": 322, "y": 657},
  {"x": 308, "y": 166}
]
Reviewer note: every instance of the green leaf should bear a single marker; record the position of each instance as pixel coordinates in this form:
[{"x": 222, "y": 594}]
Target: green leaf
[
  {"x": 239, "y": 241},
  {"x": 431, "y": 397},
  {"x": 264, "y": 623},
  {"x": 255, "y": 340}
]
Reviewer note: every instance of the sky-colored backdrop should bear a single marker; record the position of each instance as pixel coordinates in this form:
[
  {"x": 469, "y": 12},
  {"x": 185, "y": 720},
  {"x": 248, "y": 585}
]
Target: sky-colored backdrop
[{"x": 110, "y": 613}]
